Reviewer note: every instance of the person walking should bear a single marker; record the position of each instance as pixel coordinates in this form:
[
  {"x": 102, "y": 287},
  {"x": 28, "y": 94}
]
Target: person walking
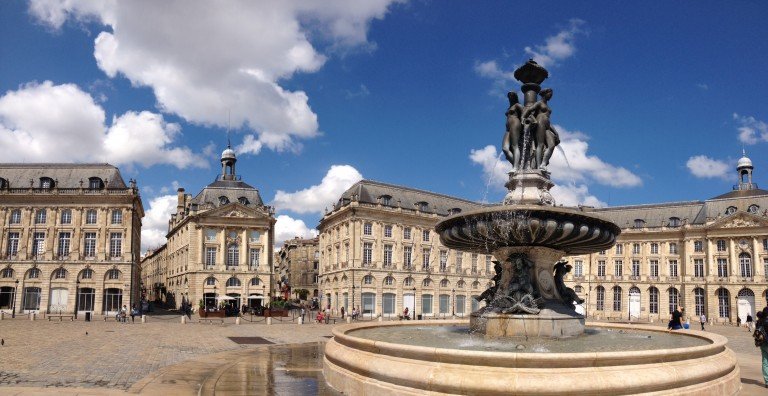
[
  {"x": 124, "y": 314},
  {"x": 750, "y": 322},
  {"x": 342, "y": 313},
  {"x": 303, "y": 314},
  {"x": 761, "y": 340},
  {"x": 703, "y": 320},
  {"x": 134, "y": 312}
]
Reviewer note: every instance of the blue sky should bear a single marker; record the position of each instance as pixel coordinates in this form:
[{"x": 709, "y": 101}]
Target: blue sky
[{"x": 654, "y": 102}]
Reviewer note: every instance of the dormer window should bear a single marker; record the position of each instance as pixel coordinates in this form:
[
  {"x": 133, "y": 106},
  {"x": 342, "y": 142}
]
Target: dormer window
[
  {"x": 243, "y": 200},
  {"x": 46, "y": 183},
  {"x": 454, "y": 211},
  {"x": 674, "y": 222},
  {"x": 422, "y": 206},
  {"x": 753, "y": 209},
  {"x": 95, "y": 183},
  {"x": 639, "y": 223},
  {"x": 731, "y": 210},
  {"x": 223, "y": 200},
  {"x": 3, "y": 183},
  {"x": 385, "y": 200}
]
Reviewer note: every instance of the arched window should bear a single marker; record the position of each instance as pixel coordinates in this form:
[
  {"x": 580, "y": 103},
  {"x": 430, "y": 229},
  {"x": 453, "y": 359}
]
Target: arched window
[
  {"x": 754, "y": 209},
  {"x": 674, "y": 222},
  {"x": 46, "y": 183},
  {"x": 113, "y": 274},
  {"x": 653, "y": 300},
  {"x": 210, "y": 281},
  {"x": 698, "y": 299},
  {"x": 243, "y": 200},
  {"x": 368, "y": 280},
  {"x": 233, "y": 282},
  {"x": 95, "y": 183},
  {"x": 66, "y": 216},
  {"x": 745, "y": 264},
  {"x": 16, "y": 216},
  {"x": 723, "y": 303},
  {"x": 445, "y": 283},
  {"x": 426, "y": 283},
  {"x": 60, "y": 273},
  {"x": 460, "y": 284},
  {"x": 674, "y": 299},
  {"x": 730, "y": 210},
  {"x": 617, "y": 298},
  {"x": 408, "y": 282},
  {"x": 117, "y": 216},
  {"x": 233, "y": 255},
  {"x": 91, "y": 216},
  {"x": 389, "y": 281},
  {"x": 255, "y": 281},
  {"x": 639, "y": 223},
  {"x": 7, "y": 272},
  {"x": 33, "y": 273},
  {"x": 475, "y": 285},
  {"x": 40, "y": 216},
  {"x": 223, "y": 200},
  {"x": 86, "y": 274},
  {"x": 600, "y": 295}
]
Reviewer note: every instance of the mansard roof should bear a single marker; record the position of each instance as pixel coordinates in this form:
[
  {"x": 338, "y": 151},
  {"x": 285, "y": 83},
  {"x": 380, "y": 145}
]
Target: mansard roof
[
  {"x": 65, "y": 175},
  {"x": 232, "y": 189}
]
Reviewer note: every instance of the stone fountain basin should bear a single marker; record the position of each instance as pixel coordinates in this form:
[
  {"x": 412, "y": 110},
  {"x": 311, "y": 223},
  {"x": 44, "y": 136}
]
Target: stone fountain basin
[
  {"x": 355, "y": 365},
  {"x": 565, "y": 229}
]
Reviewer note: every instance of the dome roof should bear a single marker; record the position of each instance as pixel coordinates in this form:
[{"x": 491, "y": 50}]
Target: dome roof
[
  {"x": 228, "y": 153},
  {"x": 745, "y": 162}
]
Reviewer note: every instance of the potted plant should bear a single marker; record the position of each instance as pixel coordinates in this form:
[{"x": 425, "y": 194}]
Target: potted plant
[{"x": 201, "y": 308}]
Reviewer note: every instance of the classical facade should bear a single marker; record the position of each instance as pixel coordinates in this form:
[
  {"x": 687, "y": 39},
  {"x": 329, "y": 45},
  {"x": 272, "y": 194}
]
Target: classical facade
[
  {"x": 709, "y": 256},
  {"x": 71, "y": 237},
  {"x": 379, "y": 253},
  {"x": 219, "y": 247},
  {"x": 299, "y": 266}
]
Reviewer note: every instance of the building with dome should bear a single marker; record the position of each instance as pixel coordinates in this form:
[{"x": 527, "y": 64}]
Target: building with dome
[{"x": 219, "y": 248}]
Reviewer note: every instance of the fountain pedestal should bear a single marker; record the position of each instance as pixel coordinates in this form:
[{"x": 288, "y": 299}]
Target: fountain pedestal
[{"x": 529, "y": 187}]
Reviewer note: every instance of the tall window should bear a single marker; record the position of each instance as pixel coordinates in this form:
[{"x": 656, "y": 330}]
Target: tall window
[
  {"x": 117, "y": 216},
  {"x": 745, "y": 265},
  {"x": 233, "y": 255},
  {"x": 15, "y": 216},
  {"x": 66, "y": 216},
  {"x": 459, "y": 260},
  {"x": 387, "y": 255},
  {"x": 443, "y": 261},
  {"x": 367, "y": 229},
  {"x": 40, "y": 216},
  {"x": 672, "y": 248},
  {"x": 654, "y": 248},
  {"x": 367, "y": 253},
  {"x": 619, "y": 248},
  {"x": 635, "y": 248},
  {"x": 653, "y": 300},
  {"x": 425, "y": 235},
  {"x": 115, "y": 244},
  {"x": 459, "y": 303},
  {"x": 487, "y": 263},
  {"x": 721, "y": 245},
  {"x": 13, "y": 244},
  {"x": 407, "y": 254},
  {"x": 407, "y": 233},
  {"x": 722, "y": 268},
  {"x": 388, "y": 303},
  {"x": 369, "y": 303},
  {"x": 444, "y": 303},
  {"x": 654, "y": 268},
  {"x": 617, "y": 298},
  {"x": 426, "y": 304},
  {"x": 64, "y": 242},
  {"x": 90, "y": 244},
  {"x": 38, "y": 245},
  {"x": 698, "y": 246},
  {"x": 210, "y": 257},
  {"x": 723, "y": 303},
  {"x": 674, "y": 298},
  {"x": 635, "y": 267},
  {"x": 90, "y": 216},
  {"x": 618, "y": 267},
  {"x": 113, "y": 274},
  {"x": 474, "y": 263},
  {"x": 698, "y": 268},
  {"x": 253, "y": 259},
  {"x": 425, "y": 259},
  {"x": 578, "y": 268},
  {"x": 601, "y": 268},
  {"x": 673, "y": 268},
  {"x": 765, "y": 244},
  {"x": 600, "y": 304},
  {"x": 698, "y": 298},
  {"x": 388, "y": 231}
]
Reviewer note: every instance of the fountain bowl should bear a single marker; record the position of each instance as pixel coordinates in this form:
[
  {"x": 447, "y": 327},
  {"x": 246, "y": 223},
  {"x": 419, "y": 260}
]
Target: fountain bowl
[{"x": 354, "y": 365}]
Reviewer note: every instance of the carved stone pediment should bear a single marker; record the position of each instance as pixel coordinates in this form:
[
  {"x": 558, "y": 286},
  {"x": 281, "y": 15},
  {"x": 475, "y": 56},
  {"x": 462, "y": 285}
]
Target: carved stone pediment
[
  {"x": 740, "y": 220},
  {"x": 234, "y": 213}
]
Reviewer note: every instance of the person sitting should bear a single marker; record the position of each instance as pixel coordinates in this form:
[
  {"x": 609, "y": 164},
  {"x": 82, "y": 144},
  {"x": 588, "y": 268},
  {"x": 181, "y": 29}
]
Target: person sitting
[
  {"x": 676, "y": 323},
  {"x": 319, "y": 318},
  {"x": 406, "y": 314}
]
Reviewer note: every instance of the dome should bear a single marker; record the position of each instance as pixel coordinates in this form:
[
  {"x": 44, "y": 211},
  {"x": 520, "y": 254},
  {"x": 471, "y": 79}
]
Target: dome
[
  {"x": 228, "y": 153},
  {"x": 745, "y": 162}
]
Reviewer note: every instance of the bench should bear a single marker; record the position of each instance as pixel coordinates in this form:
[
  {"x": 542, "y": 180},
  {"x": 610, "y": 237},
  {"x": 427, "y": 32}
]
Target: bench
[
  {"x": 61, "y": 317},
  {"x": 327, "y": 321},
  {"x": 210, "y": 321}
]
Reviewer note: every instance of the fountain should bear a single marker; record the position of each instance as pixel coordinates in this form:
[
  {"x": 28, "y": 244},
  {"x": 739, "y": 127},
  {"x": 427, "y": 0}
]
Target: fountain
[{"x": 528, "y": 333}]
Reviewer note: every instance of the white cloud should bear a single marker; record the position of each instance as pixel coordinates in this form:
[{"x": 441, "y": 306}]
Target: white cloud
[
  {"x": 316, "y": 198},
  {"x": 205, "y": 62},
  {"x": 751, "y": 130},
  {"x": 287, "y": 227},
  {"x": 572, "y": 195},
  {"x": 559, "y": 47},
  {"x": 154, "y": 225},
  {"x": 61, "y": 123},
  {"x": 705, "y": 167},
  {"x": 491, "y": 69},
  {"x": 702, "y": 86}
]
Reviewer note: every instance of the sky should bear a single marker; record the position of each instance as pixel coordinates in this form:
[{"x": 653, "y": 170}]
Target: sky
[{"x": 654, "y": 102}]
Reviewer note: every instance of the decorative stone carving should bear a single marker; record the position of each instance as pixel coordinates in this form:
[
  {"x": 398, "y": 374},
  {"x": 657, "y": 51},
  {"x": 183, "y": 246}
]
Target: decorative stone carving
[
  {"x": 234, "y": 213},
  {"x": 740, "y": 222},
  {"x": 567, "y": 294}
]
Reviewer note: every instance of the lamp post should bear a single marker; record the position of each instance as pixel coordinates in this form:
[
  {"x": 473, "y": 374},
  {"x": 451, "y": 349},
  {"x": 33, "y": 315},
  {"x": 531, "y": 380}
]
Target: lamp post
[
  {"x": 15, "y": 290},
  {"x": 77, "y": 296},
  {"x": 453, "y": 302},
  {"x": 414, "y": 303}
]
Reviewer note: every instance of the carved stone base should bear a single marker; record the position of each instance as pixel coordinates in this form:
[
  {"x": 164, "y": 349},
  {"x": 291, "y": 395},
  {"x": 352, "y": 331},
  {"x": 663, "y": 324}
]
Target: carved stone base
[
  {"x": 549, "y": 323},
  {"x": 529, "y": 187}
]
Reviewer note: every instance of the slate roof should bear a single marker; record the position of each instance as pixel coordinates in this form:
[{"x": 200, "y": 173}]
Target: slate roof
[
  {"x": 65, "y": 175},
  {"x": 369, "y": 191},
  {"x": 232, "y": 189}
]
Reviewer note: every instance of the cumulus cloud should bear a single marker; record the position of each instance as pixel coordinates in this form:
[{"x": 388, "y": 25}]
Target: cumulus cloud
[
  {"x": 316, "y": 198},
  {"x": 227, "y": 59},
  {"x": 154, "y": 225},
  {"x": 704, "y": 167},
  {"x": 287, "y": 227},
  {"x": 571, "y": 166},
  {"x": 61, "y": 123},
  {"x": 751, "y": 130},
  {"x": 559, "y": 47}
]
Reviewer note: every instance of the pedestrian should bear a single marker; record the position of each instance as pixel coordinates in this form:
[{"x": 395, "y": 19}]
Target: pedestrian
[
  {"x": 134, "y": 312},
  {"x": 124, "y": 314},
  {"x": 676, "y": 322},
  {"x": 342, "y": 313},
  {"x": 738, "y": 321},
  {"x": 761, "y": 340},
  {"x": 303, "y": 313},
  {"x": 702, "y": 319},
  {"x": 750, "y": 322},
  {"x": 319, "y": 318},
  {"x": 327, "y": 315}
]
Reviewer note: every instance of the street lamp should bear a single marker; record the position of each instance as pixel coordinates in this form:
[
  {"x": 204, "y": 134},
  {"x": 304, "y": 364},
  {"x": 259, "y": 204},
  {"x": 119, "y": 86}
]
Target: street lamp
[
  {"x": 414, "y": 303},
  {"x": 15, "y": 290},
  {"x": 453, "y": 303},
  {"x": 77, "y": 296}
]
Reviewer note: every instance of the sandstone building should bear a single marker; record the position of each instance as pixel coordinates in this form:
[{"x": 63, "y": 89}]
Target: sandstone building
[
  {"x": 219, "y": 247},
  {"x": 299, "y": 266},
  {"x": 70, "y": 239}
]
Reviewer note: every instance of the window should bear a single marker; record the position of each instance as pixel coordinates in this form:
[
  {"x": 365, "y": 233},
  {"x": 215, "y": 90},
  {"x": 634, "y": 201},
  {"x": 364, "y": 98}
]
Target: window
[
  {"x": 86, "y": 274},
  {"x": 454, "y": 211},
  {"x": 674, "y": 298},
  {"x": 425, "y": 259},
  {"x": 459, "y": 259},
  {"x": 408, "y": 282},
  {"x": 95, "y": 183},
  {"x": 407, "y": 253},
  {"x": 459, "y": 303},
  {"x": 426, "y": 282},
  {"x": 765, "y": 244},
  {"x": 13, "y": 244},
  {"x": 654, "y": 248},
  {"x": 422, "y": 206},
  {"x": 389, "y": 281},
  {"x": 721, "y": 245},
  {"x": 38, "y": 246},
  {"x": 730, "y": 210},
  {"x": 753, "y": 209},
  {"x": 723, "y": 302},
  {"x": 15, "y": 216},
  {"x": 673, "y": 268},
  {"x": 635, "y": 268},
  {"x": 46, "y": 183},
  {"x": 210, "y": 257},
  {"x": 600, "y": 303},
  {"x": 698, "y": 297},
  {"x": 388, "y": 303},
  {"x": 367, "y": 229},
  {"x": 40, "y": 217},
  {"x": 113, "y": 274},
  {"x": 425, "y": 235},
  {"x": 443, "y": 261},
  {"x": 654, "y": 270},
  {"x": 115, "y": 244},
  {"x": 210, "y": 281},
  {"x": 653, "y": 300},
  {"x": 7, "y": 272},
  {"x": 117, "y": 216},
  {"x": 388, "y": 231},
  {"x": 487, "y": 264},
  {"x": 745, "y": 265},
  {"x": 3, "y": 183},
  {"x": 617, "y": 298},
  {"x": 31, "y": 298},
  {"x": 618, "y": 267},
  {"x": 256, "y": 281},
  {"x": 33, "y": 273},
  {"x": 698, "y": 268},
  {"x": 66, "y": 216},
  {"x": 233, "y": 255},
  {"x": 367, "y": 253},
  {"x": 369, "y": 303},
  {"x": 233, "y": 282},
  {"x": 444, "y": 303},
  {"x": 601, "y": 268},
  {"x": 407, "y": 233},
  {"x": 601, "y": 252},
  {"x": 223, "y": 200},
  {"x": 578, "y": 268},
  {"x": 426, "y": 304},
  {"x": 64, "y": 243},
  {"x": 674, "y": 222},
  {"x": 722, "y": 268},
  {"x": 368, "y": 280},
  {"x": 387, "y": 255},
  {"x": 475, "y": 285},
  {"x": 639, "y": 223},
  {"x": 635, "y": 248},
  {"x": 619, "y": 248},
  {"x": 255, "y": 235},
  {"x": 60, "y": 273},
  {"x": 698, "y": 246},
  {"x": 90, "y": 216},
  {"x": 253, "y": 259},
  {"x": 672, "y": 248},
  {"x": 90, "y": 244},
  {"x": 386, "y": 200},
  {"x": 445, "y": 283},
  {"x": 243, "y": 201},
  {"x": 474, "y": 263}
]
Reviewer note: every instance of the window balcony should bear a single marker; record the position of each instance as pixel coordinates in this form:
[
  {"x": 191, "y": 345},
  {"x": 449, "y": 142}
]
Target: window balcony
[
  {"x": 232, "y": 267},
  {"x": 11, "y": 256},
  {"x": 634, "y": 277},
  {"x": 673, "y": 278}
]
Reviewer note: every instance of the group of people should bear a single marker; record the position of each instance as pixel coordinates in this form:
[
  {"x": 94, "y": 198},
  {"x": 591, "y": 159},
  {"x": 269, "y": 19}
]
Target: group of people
[
  {"x": 123, "y": 313},
  {"x": 324, "y": 315}
]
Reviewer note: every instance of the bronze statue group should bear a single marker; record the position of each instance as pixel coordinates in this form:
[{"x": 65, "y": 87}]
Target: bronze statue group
[{"x": 530, "y": 138}]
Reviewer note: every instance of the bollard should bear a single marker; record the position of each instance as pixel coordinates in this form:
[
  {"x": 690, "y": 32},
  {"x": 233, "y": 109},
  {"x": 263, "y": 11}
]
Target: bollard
[
  {"x": 183, "y": 319},
  {"x": 349, "y": 320},
  {"x": 143, "y": 318},
  {"x": 2, "y": 315},
  {"x": 301, "y": 320},
  {"x": 32, "y": 316},
  {"x": 269, "y": 320},
  {"x": 381, "y": 318},
  {"x": 237, "y": 320}
]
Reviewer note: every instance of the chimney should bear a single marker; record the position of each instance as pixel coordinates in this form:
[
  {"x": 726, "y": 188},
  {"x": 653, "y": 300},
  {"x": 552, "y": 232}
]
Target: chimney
[{"x": 180, "y": 200}]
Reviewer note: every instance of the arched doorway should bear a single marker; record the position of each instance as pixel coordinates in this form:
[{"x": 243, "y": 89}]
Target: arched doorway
[
  {"x": 58, "y": 300},
  {"x": 634, "y": 303},
  {"x": 745, "y": 304},
  {"x": 7, "y": 295}
]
